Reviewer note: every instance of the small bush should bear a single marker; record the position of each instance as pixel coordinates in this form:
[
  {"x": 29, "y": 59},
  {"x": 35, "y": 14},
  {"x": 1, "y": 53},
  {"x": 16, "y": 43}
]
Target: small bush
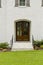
[
  {"x": 36, "y": 43},
  {"x": 41, "y": 42},
  {"x": 4, "y": 45}
]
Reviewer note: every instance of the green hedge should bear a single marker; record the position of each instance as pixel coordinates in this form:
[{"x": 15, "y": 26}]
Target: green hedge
[
  {"x": 4, "y": 45},
  {"x": 38, "y": 43}
]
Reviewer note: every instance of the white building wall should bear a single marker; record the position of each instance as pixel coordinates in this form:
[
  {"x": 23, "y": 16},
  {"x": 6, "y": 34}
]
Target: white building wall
[
  {"x": 33, "y": 13},
  {"x": 3, "y": 21},
  {"x": 9, "y": 13}
]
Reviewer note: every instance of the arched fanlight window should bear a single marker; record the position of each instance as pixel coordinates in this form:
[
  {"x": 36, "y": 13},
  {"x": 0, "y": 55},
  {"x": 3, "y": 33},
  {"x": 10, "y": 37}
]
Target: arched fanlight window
[{"x": 22, "y": 31}]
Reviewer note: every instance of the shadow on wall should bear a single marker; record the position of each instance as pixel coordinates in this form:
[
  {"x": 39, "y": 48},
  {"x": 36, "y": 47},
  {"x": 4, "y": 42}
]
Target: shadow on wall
[{"x": 11, "y": 42}]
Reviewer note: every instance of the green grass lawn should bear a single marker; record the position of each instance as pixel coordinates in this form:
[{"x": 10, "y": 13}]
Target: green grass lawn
[{"x": 21, "y": 58}]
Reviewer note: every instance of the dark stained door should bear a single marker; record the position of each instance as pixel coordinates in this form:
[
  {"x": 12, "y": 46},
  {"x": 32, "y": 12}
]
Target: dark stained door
[{"x": 22, "y": 31}]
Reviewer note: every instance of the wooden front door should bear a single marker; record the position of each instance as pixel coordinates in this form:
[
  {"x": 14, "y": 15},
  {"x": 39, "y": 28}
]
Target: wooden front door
[{"x": 22, "y": 31}]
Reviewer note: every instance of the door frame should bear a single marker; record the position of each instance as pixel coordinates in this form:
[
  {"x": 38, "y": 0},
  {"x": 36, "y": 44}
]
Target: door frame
[{"x": 15, "y": 28}]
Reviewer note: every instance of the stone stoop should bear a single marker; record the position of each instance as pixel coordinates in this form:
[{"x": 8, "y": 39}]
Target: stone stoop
[{"x": 21, "y": 49}]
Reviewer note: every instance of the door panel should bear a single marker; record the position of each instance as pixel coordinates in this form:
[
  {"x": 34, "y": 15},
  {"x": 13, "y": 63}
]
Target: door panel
[{"x": 22, "y": 31}]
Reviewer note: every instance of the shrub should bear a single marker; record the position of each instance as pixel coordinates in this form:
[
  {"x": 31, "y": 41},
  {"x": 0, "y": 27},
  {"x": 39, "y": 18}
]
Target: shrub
[
  {"x": 4, "y": 45},
  {"x": 41, "y": 42},
  {"x": 36, "y": 43}
]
